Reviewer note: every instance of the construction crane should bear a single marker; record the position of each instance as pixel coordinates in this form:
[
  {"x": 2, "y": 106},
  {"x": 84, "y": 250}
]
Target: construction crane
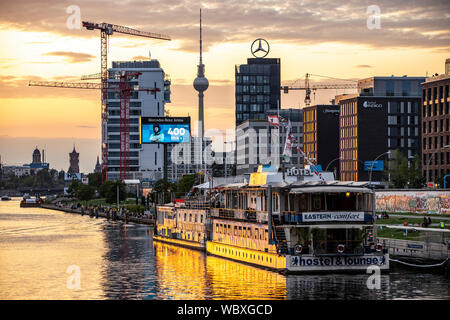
[
  {"x": 352, "y": 84},
  {"x": 125, "y": 94},
  {"x": 106, "y": 30}
]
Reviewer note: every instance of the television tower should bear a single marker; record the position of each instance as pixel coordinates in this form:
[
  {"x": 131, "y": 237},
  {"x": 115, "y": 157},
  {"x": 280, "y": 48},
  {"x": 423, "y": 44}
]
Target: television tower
[{"x": 201, "y": 84}]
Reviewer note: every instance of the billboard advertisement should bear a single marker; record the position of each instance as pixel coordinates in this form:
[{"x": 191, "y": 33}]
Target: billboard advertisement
[
  {"x": 72, "y": 176},
  {"x": 377, "y": 165},
  {"x": 165, "y": 129}
]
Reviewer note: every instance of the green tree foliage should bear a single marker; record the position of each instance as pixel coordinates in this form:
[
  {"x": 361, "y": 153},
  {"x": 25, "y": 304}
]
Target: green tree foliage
[
  {"x": 108, "y": 190},
  {"x": 95, "y": 179},
  {"x": 405, "y": 174},
  {"x": 85, "y": 192}
]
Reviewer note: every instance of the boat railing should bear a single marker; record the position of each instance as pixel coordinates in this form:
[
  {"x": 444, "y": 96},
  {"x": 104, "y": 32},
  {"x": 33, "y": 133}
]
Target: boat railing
[
  {"x": 342, "y": 247},
  {"x": 251, "y": 215},
  {"x": 197, "y": 204}
]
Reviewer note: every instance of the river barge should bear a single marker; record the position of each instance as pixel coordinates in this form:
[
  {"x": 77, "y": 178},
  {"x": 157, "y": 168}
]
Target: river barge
[{"x": 292, "y": 227}]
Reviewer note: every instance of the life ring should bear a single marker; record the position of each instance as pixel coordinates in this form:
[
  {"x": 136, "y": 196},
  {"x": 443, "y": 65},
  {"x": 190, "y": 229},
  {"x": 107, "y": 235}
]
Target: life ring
[
  {"x": 298, "y": 248},
  {"x": 379, "y": 247},
  {"x": 340, "y": 248}
]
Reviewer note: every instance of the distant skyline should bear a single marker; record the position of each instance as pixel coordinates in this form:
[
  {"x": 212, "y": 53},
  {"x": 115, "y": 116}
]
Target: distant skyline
[{"x": 328, "y": 38}]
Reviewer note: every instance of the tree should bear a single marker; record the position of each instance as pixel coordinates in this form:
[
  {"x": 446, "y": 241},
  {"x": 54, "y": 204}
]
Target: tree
[
  {"x": 404, "y": 173},
  {"x": 85, "y": 192},
  {"x": 73, "y": 188},
  {"x": 95, "y": 179},
  {"x": 109, "y": 190},
  {"x": 43, "y": 179}
]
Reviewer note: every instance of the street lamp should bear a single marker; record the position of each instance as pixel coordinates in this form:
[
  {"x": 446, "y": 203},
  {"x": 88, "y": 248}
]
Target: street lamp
[
  {"x": 429, "y": 160},
  {"x": 373, "y": 163},
  {"x": 326, "y": 169}
]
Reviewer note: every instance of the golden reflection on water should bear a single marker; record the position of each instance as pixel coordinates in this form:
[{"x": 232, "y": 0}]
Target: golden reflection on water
[
  {"x": 190, "y": 274},
  {"x": 36, "y": 248}
]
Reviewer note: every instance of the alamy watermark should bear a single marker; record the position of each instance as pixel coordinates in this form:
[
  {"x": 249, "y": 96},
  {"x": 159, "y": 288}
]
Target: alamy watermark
[
  {"x": 374, "y": 280},
  {"x": 374, "y": 17},
  {"x": 74, "y": 280},
  {"x": 74, "y": 20}
]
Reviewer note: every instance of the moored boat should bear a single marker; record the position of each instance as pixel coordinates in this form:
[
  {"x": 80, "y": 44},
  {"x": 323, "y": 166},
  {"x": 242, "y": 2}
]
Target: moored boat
[
  {"x": 287, "y": 226},
  {"x": 31, "y": 202},
  {"x": 5, "y": 198}
]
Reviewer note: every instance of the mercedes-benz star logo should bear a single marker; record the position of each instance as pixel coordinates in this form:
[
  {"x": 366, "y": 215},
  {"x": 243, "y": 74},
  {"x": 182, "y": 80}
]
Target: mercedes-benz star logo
[{"x": 261, "y": 50}]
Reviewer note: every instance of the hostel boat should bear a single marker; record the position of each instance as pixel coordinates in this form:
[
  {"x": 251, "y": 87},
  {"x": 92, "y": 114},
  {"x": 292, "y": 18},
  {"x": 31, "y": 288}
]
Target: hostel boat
[{"x": 293, "y": 227}]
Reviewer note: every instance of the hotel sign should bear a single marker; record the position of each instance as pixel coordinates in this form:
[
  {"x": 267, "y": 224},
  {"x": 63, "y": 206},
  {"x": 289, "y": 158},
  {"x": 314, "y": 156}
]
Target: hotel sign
[
  {"x": 298, "y": 172},
  {"x": 332, "y": 216}
]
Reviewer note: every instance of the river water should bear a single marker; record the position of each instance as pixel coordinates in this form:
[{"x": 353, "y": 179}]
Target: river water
[{"x": 41, "y": 251}]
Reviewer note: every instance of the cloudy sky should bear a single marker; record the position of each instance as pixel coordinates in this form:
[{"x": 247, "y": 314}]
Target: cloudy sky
[{"x": 326, "y": 37}]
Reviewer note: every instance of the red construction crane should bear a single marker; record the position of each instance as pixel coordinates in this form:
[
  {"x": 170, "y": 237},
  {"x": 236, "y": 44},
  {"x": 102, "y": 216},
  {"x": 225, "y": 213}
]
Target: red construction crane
[
  {"x": 107, "y": 29},
  {"x": 125, "y": 93},
  {"x": 352, "y": 84}
]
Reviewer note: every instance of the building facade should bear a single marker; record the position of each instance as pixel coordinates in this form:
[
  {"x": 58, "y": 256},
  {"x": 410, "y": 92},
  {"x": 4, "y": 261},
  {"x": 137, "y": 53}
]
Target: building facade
[
  {"x": 260, "y": 143},
  {"x": 186, "y": 158},
  {"x": 321, "y": 136},
  {"x": 436, "y": 126},
  {"x": 146, "y": 162},
  {"x": 383, "y": 118},
  {"x": 257, "y": 88}
]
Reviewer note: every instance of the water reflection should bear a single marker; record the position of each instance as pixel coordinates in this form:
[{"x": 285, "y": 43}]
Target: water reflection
[{"x": 120, "y": 261}]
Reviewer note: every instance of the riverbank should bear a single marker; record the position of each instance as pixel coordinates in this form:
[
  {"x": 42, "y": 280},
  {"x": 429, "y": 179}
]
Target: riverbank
[{"x": 129, "y": 217}]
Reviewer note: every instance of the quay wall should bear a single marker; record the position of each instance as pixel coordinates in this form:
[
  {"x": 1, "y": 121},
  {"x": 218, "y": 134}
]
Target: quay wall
[{"x": 150, "y": 222}]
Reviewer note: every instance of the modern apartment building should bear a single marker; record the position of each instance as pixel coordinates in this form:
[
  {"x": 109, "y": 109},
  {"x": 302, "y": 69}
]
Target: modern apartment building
[
  {"x": 436, "y": 126},
  {"x": 146, "y": 162},
  {"x": 321, "y": 136},
  {"x": 260, "y": 143},
  {"x": 257, "y": 88},
  {"x": 384, "y": 117}
]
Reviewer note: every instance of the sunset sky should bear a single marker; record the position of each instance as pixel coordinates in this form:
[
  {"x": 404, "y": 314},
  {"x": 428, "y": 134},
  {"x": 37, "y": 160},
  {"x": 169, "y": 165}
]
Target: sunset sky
[{"x": 319, "y": 37}]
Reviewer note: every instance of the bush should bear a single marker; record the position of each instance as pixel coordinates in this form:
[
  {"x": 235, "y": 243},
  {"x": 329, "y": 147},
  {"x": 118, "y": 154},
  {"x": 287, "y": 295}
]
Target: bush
[{"x": 135, "y": 208}]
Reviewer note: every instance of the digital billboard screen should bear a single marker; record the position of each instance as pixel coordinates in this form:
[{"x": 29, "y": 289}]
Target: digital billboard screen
[
  {"x": 165, "y": 129},
  {"x": 374, "y": 166}
]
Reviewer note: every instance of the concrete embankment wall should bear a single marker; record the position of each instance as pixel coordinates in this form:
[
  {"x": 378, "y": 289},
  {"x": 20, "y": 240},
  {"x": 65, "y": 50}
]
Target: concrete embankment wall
[
  {"x": 100, "y": 214},
  {"x": 416, "y": 201}
]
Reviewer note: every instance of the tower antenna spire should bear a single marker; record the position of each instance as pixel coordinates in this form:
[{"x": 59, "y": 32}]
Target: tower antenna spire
[{"x": 201, "y": 61}]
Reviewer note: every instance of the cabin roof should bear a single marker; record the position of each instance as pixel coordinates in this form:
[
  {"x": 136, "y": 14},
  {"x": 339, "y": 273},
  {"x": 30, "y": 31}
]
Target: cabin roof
[{"x": 330, "y": 189}]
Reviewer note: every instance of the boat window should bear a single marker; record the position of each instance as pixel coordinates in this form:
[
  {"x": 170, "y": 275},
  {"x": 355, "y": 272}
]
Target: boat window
[
  {"x": 195, "y": 215},
  {"x": 341, "y": 201},
  {"x": 327, "y": 240},
  {"x": 217, "y": 227},
  {"x": 256, "y": 233},
  {"x": 318, "y": 202},
  {"x": 303, "y": 202},
  {"x": 235, "y": 231},
  {"x": 190, "y": 217},
  {"x": 240, "y": 231},
  {"x": 266, "y": 235},
  {"x": 201, "y": 218},
  {"x": 229, "y": 229},
  {"x": 185, "y": 217}
]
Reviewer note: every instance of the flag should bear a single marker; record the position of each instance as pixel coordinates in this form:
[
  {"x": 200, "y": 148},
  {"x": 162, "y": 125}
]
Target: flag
[
  {"x": 287, "y": 153},
  {"x": 273, "y": 120}
]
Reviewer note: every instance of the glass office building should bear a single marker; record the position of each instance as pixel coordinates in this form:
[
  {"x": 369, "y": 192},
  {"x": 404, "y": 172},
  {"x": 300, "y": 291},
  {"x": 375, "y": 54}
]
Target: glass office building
[{"x": 257, "y": 88}]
